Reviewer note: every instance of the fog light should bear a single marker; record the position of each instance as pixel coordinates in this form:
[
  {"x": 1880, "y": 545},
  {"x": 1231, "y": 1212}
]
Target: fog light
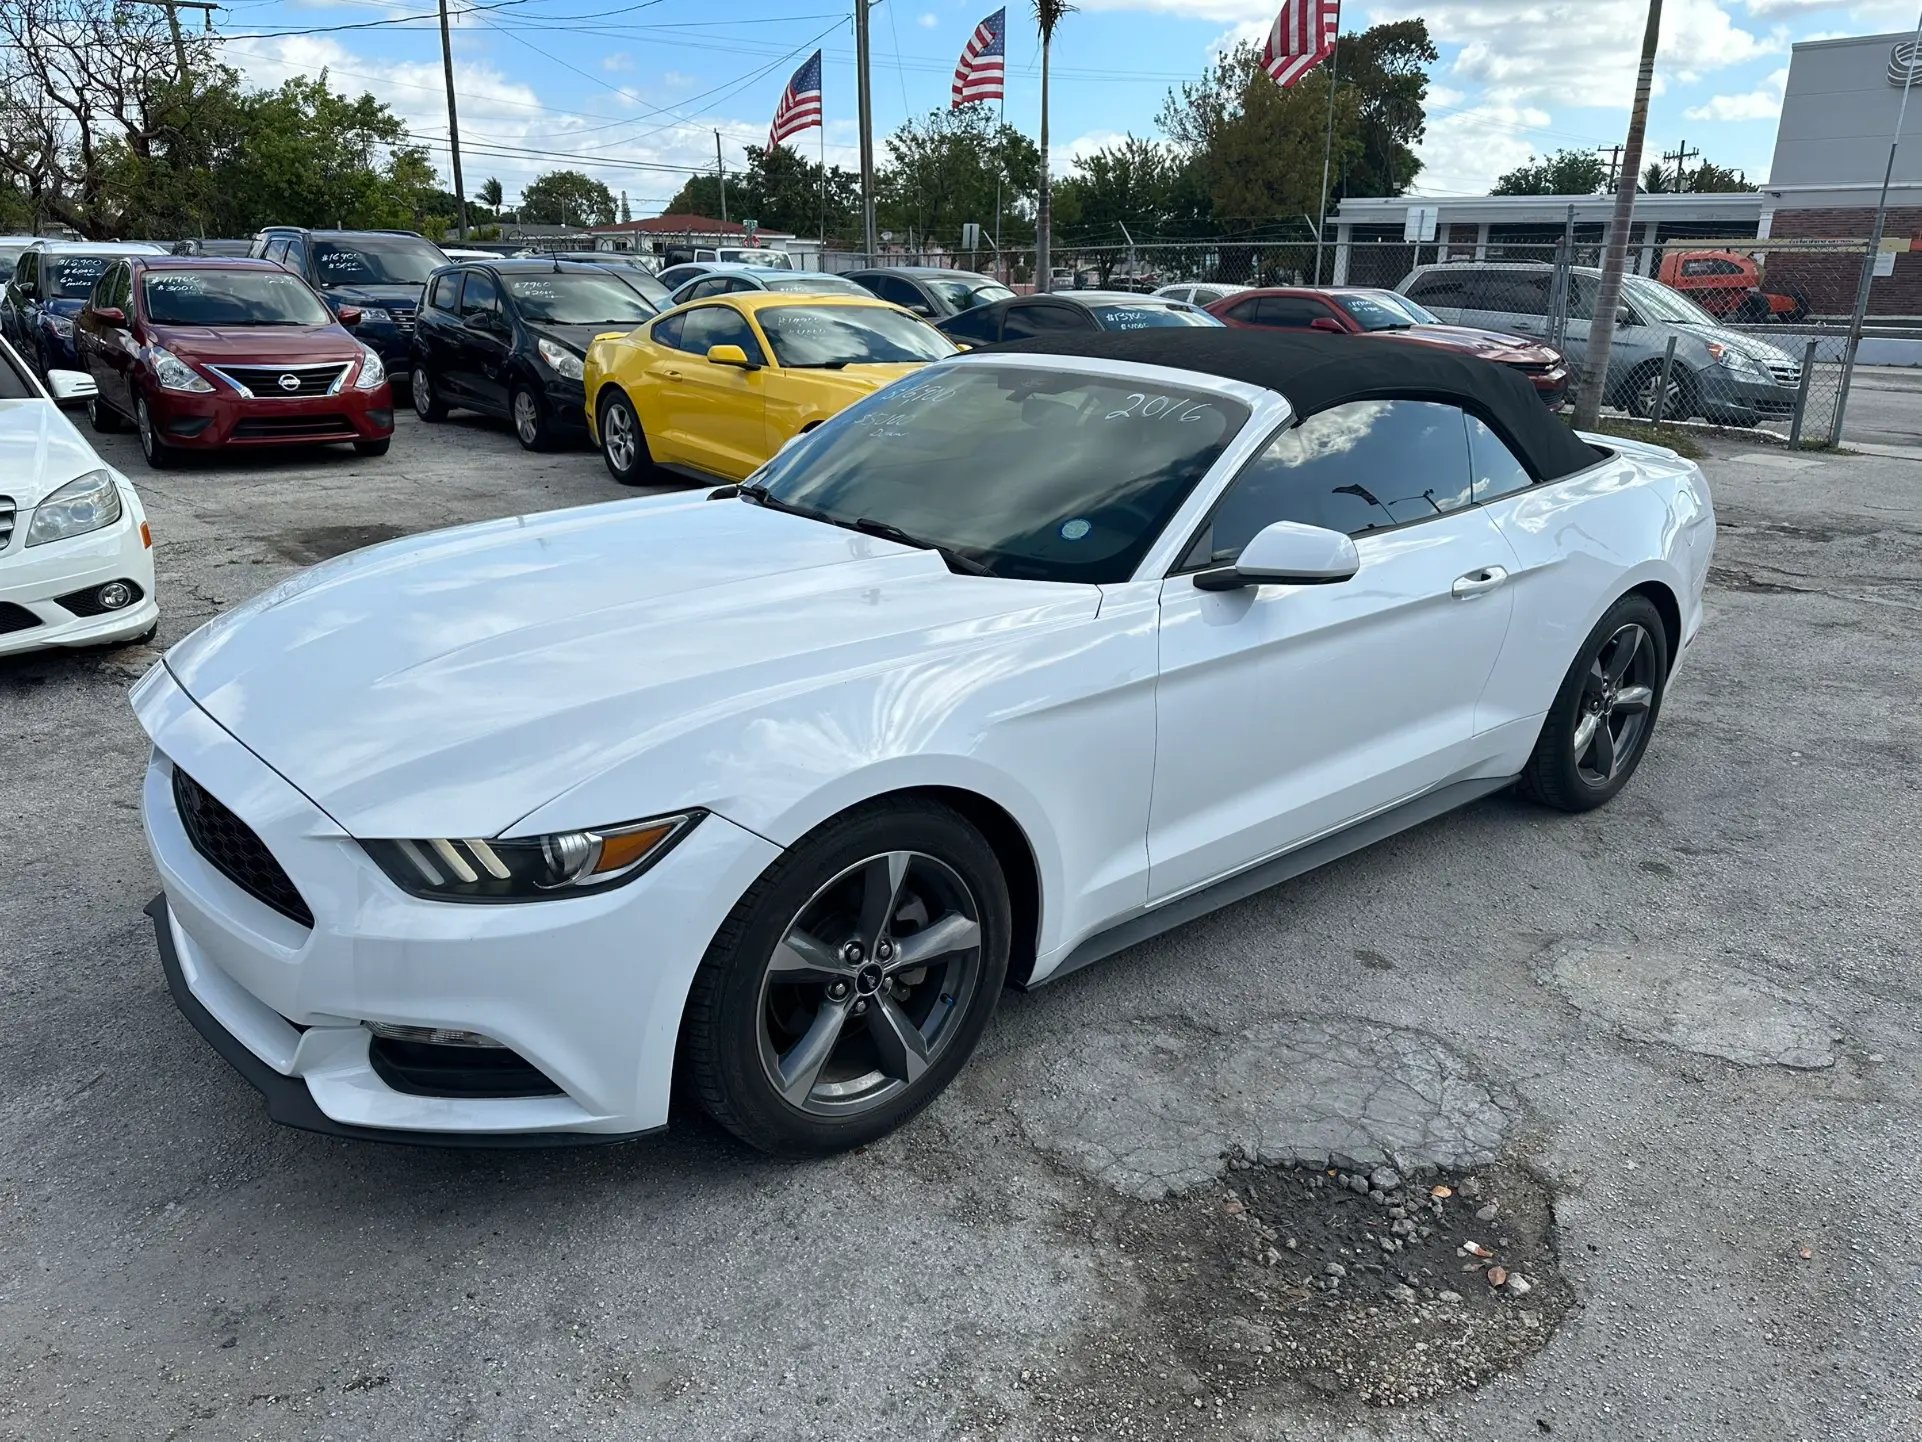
[
  {"x": 113, "y": 595},
  {"x": 430, "y": 1035}
]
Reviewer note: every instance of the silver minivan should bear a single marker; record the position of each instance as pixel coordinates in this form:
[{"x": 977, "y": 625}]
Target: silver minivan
[{"x": 1721, "y": 375}]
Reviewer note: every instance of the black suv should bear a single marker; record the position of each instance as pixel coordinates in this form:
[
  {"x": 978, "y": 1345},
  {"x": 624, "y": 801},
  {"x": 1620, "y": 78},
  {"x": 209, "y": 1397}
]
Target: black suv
[{"x": 382, "y": 272}]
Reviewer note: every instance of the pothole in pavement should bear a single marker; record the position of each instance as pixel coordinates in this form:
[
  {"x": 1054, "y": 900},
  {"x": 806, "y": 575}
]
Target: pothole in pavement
[{"x": 309, "y": 546}]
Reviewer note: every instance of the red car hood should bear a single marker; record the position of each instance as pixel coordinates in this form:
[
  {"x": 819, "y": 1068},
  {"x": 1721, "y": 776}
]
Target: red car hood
[
  {"x": 1488, "y": 344},
  {"x": 258, "y": 344}
]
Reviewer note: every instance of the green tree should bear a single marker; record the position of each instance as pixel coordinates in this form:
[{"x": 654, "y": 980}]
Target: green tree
[
  {"x": 567, "y": 197},
  {"x": 1708, "y": 178},
  {"x": 490, "y": 193},
  {"x": 1566, "y": 172},
  {"x": 781, "y": 189},
  {"x": 1656, "y": 180},
  {"x": 947, "y": 169}
]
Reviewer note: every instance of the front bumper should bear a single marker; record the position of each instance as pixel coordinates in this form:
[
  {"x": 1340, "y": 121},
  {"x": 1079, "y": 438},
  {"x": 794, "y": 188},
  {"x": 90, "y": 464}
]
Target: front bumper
[
  {"x": 31, "y": 579},
  {"x": 566, "y": 403},
  {"x": 222, "y": 417},
  {"x": 589, "y": 990},
  {"x": 1729, "y": 395}
]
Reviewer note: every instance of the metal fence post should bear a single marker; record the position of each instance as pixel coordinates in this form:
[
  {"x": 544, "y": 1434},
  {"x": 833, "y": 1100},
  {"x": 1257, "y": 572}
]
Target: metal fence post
[
  {"x": 1661, "y": 389},
  {"x": 1854, "y": 339},
  {"x": 1802, "y": 393}
]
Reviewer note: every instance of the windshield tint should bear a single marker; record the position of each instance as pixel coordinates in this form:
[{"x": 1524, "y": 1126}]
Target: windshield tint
[
  {"x": 842, "y": 335},
  {"x": 1032, "y": 472},
  {"x": 230, "y": 297},
  {"x": 1146, "y": 317},
  {"x": 74, "y": 275},
  {"x": 376, "y": 260},
  {"x": 966, "y": 295},
  {"x": 576, "y": 299},
  {"x": 1658, "y": 302}
]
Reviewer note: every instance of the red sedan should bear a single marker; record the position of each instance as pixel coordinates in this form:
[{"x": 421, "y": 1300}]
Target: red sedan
[
  {"x": 1356, "y": 310},
  {"x": 203, "y": 353}
]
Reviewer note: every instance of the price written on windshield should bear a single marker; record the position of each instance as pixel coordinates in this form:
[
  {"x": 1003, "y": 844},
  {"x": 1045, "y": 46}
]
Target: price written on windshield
[{"x": 1143, "y": 407}]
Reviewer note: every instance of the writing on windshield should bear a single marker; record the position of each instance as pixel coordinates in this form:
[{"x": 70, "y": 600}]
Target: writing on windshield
[
  {"x": 367, "y": 261},
  {"x": 235, "y": 297},
  {"x": 809, "y": 336},
  {"x": 577, "y": 299}
]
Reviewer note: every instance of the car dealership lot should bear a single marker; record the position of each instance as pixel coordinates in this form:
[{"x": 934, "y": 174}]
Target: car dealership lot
[{"x": 1690, "y": 1017}]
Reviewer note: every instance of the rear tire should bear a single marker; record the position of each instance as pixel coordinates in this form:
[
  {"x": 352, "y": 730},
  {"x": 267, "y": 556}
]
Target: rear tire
[
  {"x": 815, "y": 1023},
  {"x": 623, "y": 443},
  {"x": 102, "y": 417},
  {"x": 1605, "y": 712}
]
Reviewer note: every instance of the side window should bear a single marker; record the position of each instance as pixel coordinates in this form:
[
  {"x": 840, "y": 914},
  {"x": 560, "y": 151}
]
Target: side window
[
  {"x": 1026, "y": 320},
  {"x": 23, "y": 272},
  {"x": 1495, "y": 470},
  {"x": 1245, "y": 312},
  {"x": 296, "y": 257},
  {"x": 1438, "y": 288},
  {"x": 1289, "y": 311},
  {"x": 1514, "y": 292},
  {"x": 1581, "y": 297},
  {"x": 713, "y": 325},
  {"x": 713, "y": 285},
  {"x": 446, "y": 292},
  {"x": 667, "y": 332},
  {"x": 900, "y": 292},
  {"x": 1352, "y": 468},
  {"x": 980, "y": 326},
  {"x": 479, "y": 296},
  {"x": 103, "y": 288},
  {"x": 123, "y": 291},
  {"x": 276, "y": 250}
]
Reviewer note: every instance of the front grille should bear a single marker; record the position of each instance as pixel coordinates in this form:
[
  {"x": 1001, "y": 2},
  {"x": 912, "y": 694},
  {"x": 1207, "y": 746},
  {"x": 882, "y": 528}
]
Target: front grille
[
  {"x": 403, "y": 316},
  {"x": 294, "y": 428},
  {"x": 87, "y": 602},
  {"x": 234, "y": 850},
  {"x": 15, "y": 618},
  {"x": 264, "y": 382},
  {"x": 1786, "y": 373},
  {"x": 6, "y": 521}
]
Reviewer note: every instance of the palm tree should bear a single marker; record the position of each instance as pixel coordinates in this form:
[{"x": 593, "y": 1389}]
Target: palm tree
[{"x": 1047, "y": 15}]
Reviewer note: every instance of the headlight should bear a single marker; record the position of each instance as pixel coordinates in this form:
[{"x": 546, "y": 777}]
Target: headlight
[
  {"x": 84, "y": 504},
  {"x": 375, "y": 314},
  {"x": 1732, "y": 359},
  {"x": 372, "y": 372},
  {"x": 62, "y": 325},
  {"x": 566, "y": 364},
  {"x": 530, "y": 868},
  {"x": 173, "y": 373}
]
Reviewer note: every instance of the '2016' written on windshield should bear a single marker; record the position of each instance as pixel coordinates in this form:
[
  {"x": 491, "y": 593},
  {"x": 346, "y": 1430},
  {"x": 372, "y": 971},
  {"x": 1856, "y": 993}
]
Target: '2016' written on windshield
[{"x": 1144, "y": 407}]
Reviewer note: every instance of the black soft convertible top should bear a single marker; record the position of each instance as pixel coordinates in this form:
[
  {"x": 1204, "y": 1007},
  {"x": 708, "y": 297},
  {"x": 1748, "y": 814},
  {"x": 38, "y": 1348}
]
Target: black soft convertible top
[{"x": 1315, "y": 371}]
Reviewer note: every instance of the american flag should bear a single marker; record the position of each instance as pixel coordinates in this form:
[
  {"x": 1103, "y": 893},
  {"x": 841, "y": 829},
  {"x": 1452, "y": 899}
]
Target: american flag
[
  {"x": 800, "y": 107},
  {"x": 1302, "y": 37},
  {"x": 983, "y": 63}
]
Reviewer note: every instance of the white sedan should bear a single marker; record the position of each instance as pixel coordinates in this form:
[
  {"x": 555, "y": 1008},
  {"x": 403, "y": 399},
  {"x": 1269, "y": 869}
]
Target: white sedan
[
  {"x": 484, "y": 836},
  {"x": 76, "y": 557}
]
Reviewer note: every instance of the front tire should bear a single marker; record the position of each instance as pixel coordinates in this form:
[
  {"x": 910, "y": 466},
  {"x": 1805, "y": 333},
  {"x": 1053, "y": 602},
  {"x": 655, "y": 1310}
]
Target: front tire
[
  {"x": 623, "y": 443},
  {"x": 852, "y": 981},
  {"x": 426, "y": 397},
  {"x": 1647, "y": 382},
  {"x": 1599, "y": 727},
  {"x": 532, "y": 426},
  {"x": 160, "y": 456}
]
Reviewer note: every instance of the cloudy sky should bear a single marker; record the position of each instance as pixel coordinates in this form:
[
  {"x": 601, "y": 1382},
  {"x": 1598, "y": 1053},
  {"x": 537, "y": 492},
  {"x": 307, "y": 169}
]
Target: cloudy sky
[{"x": 633, "y": 90}]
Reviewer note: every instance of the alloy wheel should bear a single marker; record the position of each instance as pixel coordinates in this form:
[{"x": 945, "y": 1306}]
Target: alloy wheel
[
  {"x": 423, "y": 391},
  {"x": 1617, "y": 696},
  {"x": 618, "y": 435},
  {"x": 527, "y": 417},
  {"x": 1650, "y": 388},
  {"x": 143, "y": 420},
  {"x": 869, "y": 983}
]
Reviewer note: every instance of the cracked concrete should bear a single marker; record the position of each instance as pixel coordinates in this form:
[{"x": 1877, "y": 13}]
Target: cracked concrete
[
  {"x": 1673, "y": 998},
  {"x": 1152, "y": 1110}
]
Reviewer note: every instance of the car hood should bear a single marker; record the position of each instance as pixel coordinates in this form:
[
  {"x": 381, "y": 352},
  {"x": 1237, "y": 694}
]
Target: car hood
[
  {"x": 40, "y": 451},
  {"x": 65, "y": 305},
  {"x": 372, "y": 295},
  {"x": 1750, "y": 346},
  {"x": 264, "y": 345},
  {"x": 1488, "y": 344},
  {"x": 579, "y": 337},
  {"x": 450, "y": 684}
]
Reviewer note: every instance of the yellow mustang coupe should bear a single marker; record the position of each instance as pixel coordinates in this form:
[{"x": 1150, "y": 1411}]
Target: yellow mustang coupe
[{"x": 716, "y": 387}]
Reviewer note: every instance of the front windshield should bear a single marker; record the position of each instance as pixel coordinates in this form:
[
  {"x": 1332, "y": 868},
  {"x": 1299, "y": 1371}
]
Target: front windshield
[
  {"x": 1410, "y": 313},
  {"x": 1031, "y": 472},
  {"x": 74, "y": 276},
  {"x": 376, "y": 260},
  {"x": 1658, "y": 302},
  {"x": 963, "y": 295},
  {"x": 1148, "y": 317},
  {"x": 230, "y": 297},
  {"x": 576, "y": 298},
  {"x": 644, "y": 281},
  {"x": 815, "y": 281},
  {"x": 1371, "y": 314},
  {"x": 832, "y": 336}
]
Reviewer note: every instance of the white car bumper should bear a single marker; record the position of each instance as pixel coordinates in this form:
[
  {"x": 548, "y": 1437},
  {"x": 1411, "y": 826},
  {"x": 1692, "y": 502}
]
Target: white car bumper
[
  {"x": 31, "y": 579},
  {"x": 588, "y": 990}
]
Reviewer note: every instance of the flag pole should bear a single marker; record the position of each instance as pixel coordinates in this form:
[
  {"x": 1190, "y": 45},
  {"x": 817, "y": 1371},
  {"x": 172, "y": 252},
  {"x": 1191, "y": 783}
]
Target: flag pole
[
  {"x": 1328, "y": 146},
  {"x": 824, "y": 190},
  {"x": 1001, "y": 125}
]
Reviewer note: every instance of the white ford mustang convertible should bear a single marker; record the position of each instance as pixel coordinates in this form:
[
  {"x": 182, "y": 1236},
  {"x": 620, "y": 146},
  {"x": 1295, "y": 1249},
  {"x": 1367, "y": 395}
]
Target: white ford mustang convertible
[{"x": 482, "y": 837}]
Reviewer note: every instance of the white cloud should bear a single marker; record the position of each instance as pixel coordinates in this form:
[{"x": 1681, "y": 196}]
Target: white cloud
[
  {"x": 619, "y": 60},
  {"x": 1762, "y": 103},
  {"x": 929, "y": 20},
  {"x": 1465, "y": 150},
  {"x": 1061, "y": 158}
]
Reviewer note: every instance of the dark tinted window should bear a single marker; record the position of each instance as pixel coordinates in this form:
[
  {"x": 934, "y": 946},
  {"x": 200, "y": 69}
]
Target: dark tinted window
[
  {"x": 296, "y": 257},
  {"x": 1581, "y": 297},
  {"x": 713, "y": 285},
  {"x": 103, "y": 290},
  {"x": 667, "y": 332},
  {"x": 976, "y": 327},
  {"x": 376, "y": 260},
  {"x": 901, "y": 292},
  {"x": 479, "y": 295},
  {"x": 1496, "y": 471},
  {"x": 1289, "y": 310},
  {"x": 276, "y": 250},
  {"x": 1246, "y": 312},
  {"x": 1511, "y": 292},
  {"x": 713, "y": 325},
  {"x": 1026, "y": 320},
  {"x": 1351, "y": 468},
  {"x": 446, "y": 292},
  {"x": 1439, "y": 288}
]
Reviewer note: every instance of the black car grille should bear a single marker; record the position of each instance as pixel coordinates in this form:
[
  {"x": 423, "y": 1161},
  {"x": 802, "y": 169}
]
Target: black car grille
[
  {"x": 293, "y": 428},
  {"x": 424, "y": 1070},
  {"x": 403, "y": 316},
  {"x": 265, "y": 382},
  {"x": 234, "y": 850},
  {"x": 15, "y": 618},
  {"x": 6, "y": 521},
  {"x": 86, "y": 602}
]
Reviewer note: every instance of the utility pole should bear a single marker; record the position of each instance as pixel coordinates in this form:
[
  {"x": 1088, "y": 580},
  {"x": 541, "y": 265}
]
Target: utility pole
[
  {"x": 1614, "y": 154},
  {"x": 720, "y": 169},
  {"x": 1681, "y": 155},
  {"x": 173, "y": 9},
  {"x": 1601, "y": 330},
  {"x": 453, "y": 123},
  {"x": 866, "y": 102}
]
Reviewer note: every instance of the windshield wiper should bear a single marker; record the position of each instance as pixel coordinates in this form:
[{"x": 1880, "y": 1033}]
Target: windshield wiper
[
  {"x": 888, "y": 531},
  {"x": 758, "y": 494}
]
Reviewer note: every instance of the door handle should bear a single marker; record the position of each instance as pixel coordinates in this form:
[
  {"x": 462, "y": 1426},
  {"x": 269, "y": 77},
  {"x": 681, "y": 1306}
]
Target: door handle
[
  {"x": 672, "y": 375},
  {"x": 1476, "y": 583}
]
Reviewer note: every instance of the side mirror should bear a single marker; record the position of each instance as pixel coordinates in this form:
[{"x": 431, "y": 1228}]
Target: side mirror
[
  {"x": 110, "y": 315},
  {"x": 1327, "y": 323},
  {"x": 921, "y": 308},
  {"x": 730, "y": 355},
  {"x": 349, "y": 315},
  {"x": 71, "y": 385},
  {"x": 1286, "y": 553}
]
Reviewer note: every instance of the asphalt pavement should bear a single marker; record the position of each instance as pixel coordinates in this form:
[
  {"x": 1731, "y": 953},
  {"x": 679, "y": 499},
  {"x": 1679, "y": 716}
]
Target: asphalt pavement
[{"x": 1668, "y": 1048}]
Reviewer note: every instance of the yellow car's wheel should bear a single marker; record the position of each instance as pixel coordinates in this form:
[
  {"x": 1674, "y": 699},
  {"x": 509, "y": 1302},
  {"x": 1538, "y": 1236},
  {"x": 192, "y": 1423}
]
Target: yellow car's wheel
[{"x": 623, "y": 444}]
